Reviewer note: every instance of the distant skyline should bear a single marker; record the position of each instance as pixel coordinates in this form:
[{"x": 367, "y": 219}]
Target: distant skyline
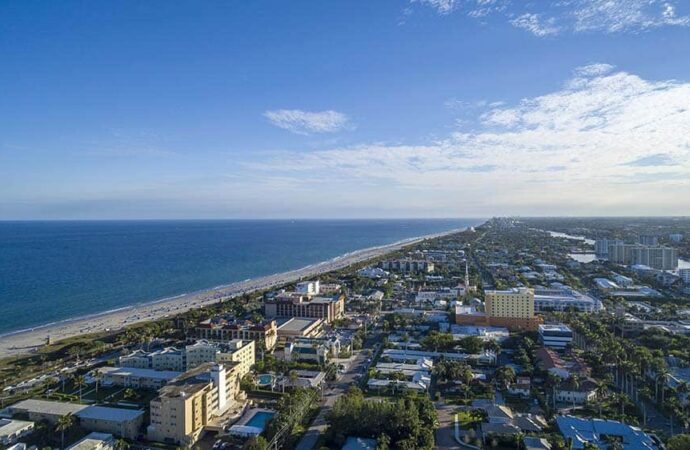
[{"x": 344, "y": 109}]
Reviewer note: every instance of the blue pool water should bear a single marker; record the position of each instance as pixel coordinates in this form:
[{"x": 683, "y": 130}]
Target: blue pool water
[
  {"x": 260, "y": 418},
  {"x": 265, "y": 379},
  {"x": 52, "y": 271}
]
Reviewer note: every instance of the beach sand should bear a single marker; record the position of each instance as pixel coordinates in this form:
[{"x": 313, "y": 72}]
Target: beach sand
[{"x": 28, "y": 341}]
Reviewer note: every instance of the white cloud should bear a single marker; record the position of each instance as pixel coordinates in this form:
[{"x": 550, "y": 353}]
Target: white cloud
[
  {"x": 441, "y": 6},
  {"x": 535, "y": 24},
  {"x": 593, "y": 70},
  {"x": 578, "y": 16},
  {"x": 305, "y": 122},
  {"x": 608, "y": 142},
  {"x": 625, "y": 15}
]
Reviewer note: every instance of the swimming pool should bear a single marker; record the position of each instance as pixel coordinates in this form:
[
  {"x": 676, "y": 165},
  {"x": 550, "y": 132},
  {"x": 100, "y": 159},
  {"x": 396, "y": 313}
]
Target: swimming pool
[
  {"x": 265, "y": 379},
  {"x": 260, "y": 418}
]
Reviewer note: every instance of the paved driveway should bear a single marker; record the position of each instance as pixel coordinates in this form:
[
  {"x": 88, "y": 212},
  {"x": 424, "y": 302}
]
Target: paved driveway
[{"x": 445, "y": 435}]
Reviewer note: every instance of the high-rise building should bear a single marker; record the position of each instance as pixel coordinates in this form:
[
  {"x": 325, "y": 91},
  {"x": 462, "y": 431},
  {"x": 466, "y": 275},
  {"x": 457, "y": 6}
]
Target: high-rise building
[
  {"x": 621, "y": 253},
  {"x": 685, "y": 275},
  {"x": 649, "y": 239},
  {"x": 512, "y": 308},
  {"x": 601, "y": 247},
  {"x": 659, "y": 258}
]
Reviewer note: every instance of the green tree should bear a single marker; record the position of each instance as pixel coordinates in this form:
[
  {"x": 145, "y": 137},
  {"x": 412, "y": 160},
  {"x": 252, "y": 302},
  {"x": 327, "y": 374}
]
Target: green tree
[
  {"x": 678, "y": 442},
  {"x": 64, "y": 423}
]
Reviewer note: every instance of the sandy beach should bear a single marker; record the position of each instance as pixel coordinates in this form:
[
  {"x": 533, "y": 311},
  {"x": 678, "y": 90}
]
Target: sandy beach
[{"x": 28, "y": 340}]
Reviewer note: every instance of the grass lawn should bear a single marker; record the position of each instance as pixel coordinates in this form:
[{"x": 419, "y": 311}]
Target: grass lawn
[{"x": 466, "y": 420}]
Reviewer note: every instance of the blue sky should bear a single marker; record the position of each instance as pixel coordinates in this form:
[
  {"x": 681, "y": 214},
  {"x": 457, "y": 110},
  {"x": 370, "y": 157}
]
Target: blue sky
[{"x": 428, "y": 108}]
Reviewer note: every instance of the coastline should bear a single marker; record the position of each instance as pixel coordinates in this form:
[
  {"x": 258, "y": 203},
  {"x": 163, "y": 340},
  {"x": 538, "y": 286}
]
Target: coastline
[{"x": 28, "y": 340}]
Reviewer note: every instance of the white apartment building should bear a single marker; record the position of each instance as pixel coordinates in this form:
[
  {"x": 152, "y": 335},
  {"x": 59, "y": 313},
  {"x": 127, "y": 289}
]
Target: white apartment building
[{"x": 193, "y": 355}]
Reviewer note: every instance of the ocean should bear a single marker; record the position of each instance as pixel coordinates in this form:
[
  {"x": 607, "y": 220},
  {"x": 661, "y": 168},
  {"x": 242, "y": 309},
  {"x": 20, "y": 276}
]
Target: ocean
[{"x": 56, "y": 270}]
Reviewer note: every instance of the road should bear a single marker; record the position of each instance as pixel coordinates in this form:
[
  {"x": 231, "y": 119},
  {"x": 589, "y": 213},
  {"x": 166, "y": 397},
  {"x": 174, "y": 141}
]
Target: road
[
  {"x": 331, "y": 394},
  {"x": 445, "y": 435}
]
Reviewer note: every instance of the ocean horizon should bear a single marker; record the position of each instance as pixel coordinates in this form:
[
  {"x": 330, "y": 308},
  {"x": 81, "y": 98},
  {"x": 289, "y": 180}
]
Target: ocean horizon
[{"x": 53, "y": 271}]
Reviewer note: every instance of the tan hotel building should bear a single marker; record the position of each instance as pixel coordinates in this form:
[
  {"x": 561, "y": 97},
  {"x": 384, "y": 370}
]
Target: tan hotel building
[
  {"x": 221, "y": 330},
  {"x": 292, "y": 304},
  {"x": 511, "y": 308},
  {"x": 185, "y": 406}
]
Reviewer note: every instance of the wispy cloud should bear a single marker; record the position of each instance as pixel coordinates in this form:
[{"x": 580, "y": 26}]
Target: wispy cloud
[
  {"x": 535, "y": 24},
  {"x": 574, "y": 146},
  {"x": 578, "y": 16},
  {"x": 651, "y": 161},
  {"x": 306, "y": 122},
  {"x": 441, "y": 6}
]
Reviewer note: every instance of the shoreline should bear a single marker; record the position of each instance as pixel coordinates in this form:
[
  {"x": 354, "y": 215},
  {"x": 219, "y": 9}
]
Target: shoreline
[{"x": 29, "y": 340}]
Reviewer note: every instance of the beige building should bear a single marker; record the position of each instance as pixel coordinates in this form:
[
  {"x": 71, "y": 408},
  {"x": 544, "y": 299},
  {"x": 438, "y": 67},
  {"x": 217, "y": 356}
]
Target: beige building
[
  {"x": 512, "y": 303},
  {"x": 221, "y": 330},
  {"x": 236, "y": 351},
  {"x": 511, "y": 308},
  {"x": 175, "y": 361},
  {"x": 186, "y": 405},
  {"x": 293, "y": 304},
  {"x": 295, "y": 328}
]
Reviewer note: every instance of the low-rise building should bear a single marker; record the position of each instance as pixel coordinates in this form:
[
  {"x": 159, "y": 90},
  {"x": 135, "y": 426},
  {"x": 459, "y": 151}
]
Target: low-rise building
[
  {"x": 556, "y": 336},
  {"x": 522, "y": 387},
  {"x": 94, "y": 441},
  {"x": 136, "y": 378},
  {"x": 118, "y": 421},
  {"x": 169, "y": 358},
  {"x": 599, "y": 432},
  {"x": 295, "y": 328},
  {"x": 576, "y": 393},
  {"x": 563, "y": 298},
  {"x": 304, "y": 378},
  {"x": 408, "y": 265},
  {"x": 13, "y": 430}
]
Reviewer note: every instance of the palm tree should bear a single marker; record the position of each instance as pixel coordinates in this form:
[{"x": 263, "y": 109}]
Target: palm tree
[
  {"x": 79, "y": 382},
  {"x": 121, "y": 444},
  {"x": 574, "y": 383},
  {"x": 64, "y": 423},
  {"x": 601, "y": 391},
  {"x": 97, "y": 377},
  {"x": 553, "y": 381}
]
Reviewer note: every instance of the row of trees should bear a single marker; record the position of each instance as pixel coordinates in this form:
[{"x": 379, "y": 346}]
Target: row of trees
[{"x": 639, "y": 372}]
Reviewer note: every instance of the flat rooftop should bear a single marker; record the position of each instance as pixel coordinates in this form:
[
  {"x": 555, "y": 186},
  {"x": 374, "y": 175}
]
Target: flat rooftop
[
  {"x": 555, "y": 327},
  {"x": 140, "y": 373},
  {"x": 10, "y": 426},
  {"x": 47, "y": 407},
  {"x": 91, "y": 441},
  {"x": 110, "y": 414},
  {"x": 297, "y": 324}
]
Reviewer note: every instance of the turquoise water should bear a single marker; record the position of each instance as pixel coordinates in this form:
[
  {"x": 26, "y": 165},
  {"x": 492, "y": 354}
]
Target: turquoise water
[
  {"x": 265, "y": 379},
  {"x": 52, "y": 271},
  {"x": 260, "y": 418}
]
